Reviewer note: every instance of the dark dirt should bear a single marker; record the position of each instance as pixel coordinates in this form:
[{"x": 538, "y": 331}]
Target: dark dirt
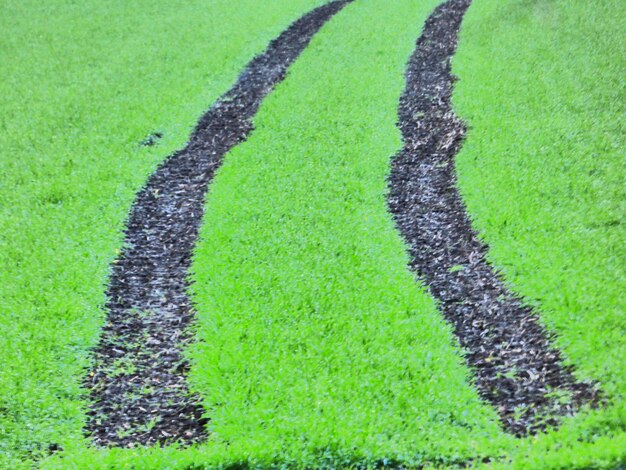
[
  {"x": 516, "y": 366},
  {"x": 138, "y": 383}
]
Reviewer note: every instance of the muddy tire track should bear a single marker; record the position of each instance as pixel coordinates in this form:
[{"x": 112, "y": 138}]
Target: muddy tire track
[
  {"x": 138, "y": 387},
  {"x": 516, "y": 366}
]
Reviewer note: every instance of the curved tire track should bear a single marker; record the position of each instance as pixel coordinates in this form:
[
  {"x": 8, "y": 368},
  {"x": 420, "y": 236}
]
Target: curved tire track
[
  {"x": 137, "y": 387},
  {"x": 517, "y": 368}
]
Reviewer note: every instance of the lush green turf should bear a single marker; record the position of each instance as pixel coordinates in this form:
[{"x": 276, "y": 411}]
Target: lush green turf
[
  {"x": 543, "y": 167},
  {"x": 542, "y": 170},
  {"x": 298, "y": 274},
  {"x": 317, "y": 344},
  {"x": 316, "y": 338},
  {"x": 82, "y": 84}
]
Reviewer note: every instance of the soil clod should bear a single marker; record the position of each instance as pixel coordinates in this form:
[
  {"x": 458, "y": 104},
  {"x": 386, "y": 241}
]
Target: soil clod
[{"x": 152, "y": 139}]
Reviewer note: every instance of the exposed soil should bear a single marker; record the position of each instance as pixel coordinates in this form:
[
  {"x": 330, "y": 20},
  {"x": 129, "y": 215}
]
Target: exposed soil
[
  {"x": 138, "y": 387},
  {"x": 516, "y": 366}
]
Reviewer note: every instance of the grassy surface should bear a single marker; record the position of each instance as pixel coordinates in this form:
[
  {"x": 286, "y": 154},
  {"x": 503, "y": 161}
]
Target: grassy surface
[
  {"x": 317, "y": 345},
  {"x": 542, "y": 171},
  {"x": 302, "y": 297},
  {"x": 316, "y": 338},
  {"x": 82, "y": 84}
]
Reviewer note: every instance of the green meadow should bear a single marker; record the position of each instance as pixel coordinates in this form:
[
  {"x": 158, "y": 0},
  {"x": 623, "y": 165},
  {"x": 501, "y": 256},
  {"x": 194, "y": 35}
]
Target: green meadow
[
  {"x": 315, "y": 345},
  {"x": 83, "y": 83}
]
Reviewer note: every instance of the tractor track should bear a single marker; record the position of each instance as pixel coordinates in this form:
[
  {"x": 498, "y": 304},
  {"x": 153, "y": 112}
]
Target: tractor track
[
  {"x": 516, "y": 366},
  {"x": 138, "y": 388}
]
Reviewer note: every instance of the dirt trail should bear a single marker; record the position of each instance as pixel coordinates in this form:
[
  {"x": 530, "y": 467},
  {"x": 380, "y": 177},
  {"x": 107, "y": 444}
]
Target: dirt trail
[
  {"x": 138, "y": 387},
  {"x": 516, "y": 366}
]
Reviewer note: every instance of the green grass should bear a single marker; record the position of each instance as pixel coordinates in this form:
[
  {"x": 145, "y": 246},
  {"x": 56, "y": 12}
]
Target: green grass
[
  {"x": 298, "y": 273},
  {"x": 315, "y": 336},
  {"x": 542, "y": 171},
  {"x": 82, "y": 84},
  {"x": 317, "y": 345}
]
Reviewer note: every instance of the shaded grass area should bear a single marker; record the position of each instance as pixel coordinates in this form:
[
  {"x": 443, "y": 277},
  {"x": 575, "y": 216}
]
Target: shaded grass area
[
  {"x": 82, "y": 85},
  {"x": 542, "y": 173}
]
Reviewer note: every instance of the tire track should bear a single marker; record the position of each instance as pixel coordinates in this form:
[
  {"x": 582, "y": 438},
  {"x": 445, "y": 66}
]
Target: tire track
[
  {"x": 516, "y": 366},
  {"x": 138, "y": 388}
]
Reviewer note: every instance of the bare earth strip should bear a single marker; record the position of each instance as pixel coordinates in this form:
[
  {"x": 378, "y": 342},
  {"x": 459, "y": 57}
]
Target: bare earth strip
[
  {"x": 138, "y": 384},
  {"x": 517, "y": 368}
]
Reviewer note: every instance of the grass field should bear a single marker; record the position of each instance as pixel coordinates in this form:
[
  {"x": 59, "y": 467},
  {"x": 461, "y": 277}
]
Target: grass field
[
  {"x": 316, "y": 347},
  {"x": 82, "y": 85},
  {"x": 542, "y": 174},
  {"x": 543, "y": 169}
]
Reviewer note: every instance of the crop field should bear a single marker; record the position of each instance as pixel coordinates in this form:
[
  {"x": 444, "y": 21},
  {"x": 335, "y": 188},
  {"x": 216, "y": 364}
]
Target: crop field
[{"x": 312, "y": 234}]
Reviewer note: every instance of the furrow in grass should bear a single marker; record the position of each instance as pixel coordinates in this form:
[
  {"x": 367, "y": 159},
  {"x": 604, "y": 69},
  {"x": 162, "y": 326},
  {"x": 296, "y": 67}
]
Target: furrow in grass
[
  {"x": 516, "y": 366},
  {"x": 138, "y": 387},
  {"x": 327, "y": 350}
]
